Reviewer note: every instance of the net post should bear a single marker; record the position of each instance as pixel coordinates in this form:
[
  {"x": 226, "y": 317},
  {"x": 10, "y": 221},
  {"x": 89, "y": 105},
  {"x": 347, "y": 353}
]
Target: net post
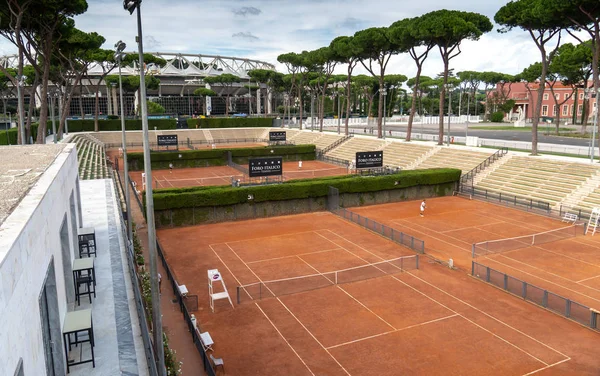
[
  {"x": 238, "y": 292},
  {"x": 545, "y": 299},
  {"x": 472, "y": 267},
  {"x": 505, "y": 281},
  {"x": 568, "y": 309},
  {"x": 487, "y": 274},
  {"x": 524, "y": 292},
  {"x": 417, "y": 261},
  {"x": 412, "y": 242},
  {"x": 593, "y": 319}
]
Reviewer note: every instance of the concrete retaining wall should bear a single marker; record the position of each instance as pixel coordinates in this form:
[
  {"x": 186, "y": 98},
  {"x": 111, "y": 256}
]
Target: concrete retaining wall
[{"x": 29, "y": 242}]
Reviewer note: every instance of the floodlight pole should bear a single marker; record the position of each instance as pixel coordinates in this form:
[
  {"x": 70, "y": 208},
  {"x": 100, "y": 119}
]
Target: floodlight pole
[
  {"x": 449, "y": 111},
  {"x": 156, "y": 311},
  {"x": 384, "y": 92},
  {"x": 125, "y": 163},
  {"x": 339, "y": 110},
  {"x": 468, "y": 104}
]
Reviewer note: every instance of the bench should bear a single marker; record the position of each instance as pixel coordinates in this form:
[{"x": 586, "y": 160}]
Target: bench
[{"x": 570, "y": 217}]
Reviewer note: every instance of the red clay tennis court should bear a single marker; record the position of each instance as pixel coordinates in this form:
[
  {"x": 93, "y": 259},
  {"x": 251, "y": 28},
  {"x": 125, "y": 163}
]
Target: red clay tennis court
[
  {"x": 223, "y": 175},
  {"x": 568, "y": 267},
  {"x": 404, "y": 320}
]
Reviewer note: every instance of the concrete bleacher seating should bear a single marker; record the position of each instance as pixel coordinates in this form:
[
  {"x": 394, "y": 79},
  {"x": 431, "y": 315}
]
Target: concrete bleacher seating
[
  {"x": 347, "y": 150},
  {"x": 305, "y": 138},
  {"x": 326, "y": 139},
  {"x": 464, "y": 160},
  {"x": 404, "y": 154},
  {"x": 546, "y": 180},
  {"x": 91, "y": 157},
  {"x": 238, "y": 133}
]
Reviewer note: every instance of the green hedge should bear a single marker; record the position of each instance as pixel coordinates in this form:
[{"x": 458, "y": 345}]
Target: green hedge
[
  {"x": 230, "y": 122},
  {"x": 13, "y": 133},
  {"x": 218, "y": 157},
  {"x": 165, "y": 199},
  {"x": 115, "y": 125}
]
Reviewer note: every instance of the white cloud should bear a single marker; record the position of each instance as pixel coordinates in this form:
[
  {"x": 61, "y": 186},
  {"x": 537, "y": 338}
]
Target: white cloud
[{"x": 280, "y": 26}]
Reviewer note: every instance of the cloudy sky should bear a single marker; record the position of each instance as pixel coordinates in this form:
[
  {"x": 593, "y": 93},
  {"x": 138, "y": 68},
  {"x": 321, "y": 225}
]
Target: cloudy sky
[{"x": 263, "y": 29}]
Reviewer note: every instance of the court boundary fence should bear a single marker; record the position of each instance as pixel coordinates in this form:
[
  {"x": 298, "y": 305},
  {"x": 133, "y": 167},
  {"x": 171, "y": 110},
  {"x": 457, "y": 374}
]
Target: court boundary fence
[
  {"x": 181, "y": 300},
  {"x": 548, "y": 300},
  {"x": 399, "y": 237}
]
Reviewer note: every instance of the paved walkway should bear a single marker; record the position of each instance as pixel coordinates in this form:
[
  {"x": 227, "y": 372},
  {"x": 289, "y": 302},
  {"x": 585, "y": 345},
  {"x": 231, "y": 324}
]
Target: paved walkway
[
  {"x": 119, "y": 347},
  {"x": 173, "y": 322}
]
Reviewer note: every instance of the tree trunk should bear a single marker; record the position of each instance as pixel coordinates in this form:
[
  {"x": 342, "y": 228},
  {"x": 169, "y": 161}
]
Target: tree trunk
[
  {"x": 322, "y": 113},
  {"x": 41, "y": 136},
  {"x": 32, "y": 102},
  {"x": 81, "y": 100},
  {"x": 380, "y": 107},
  {"x": 442, "y": 97},
  {"x": 348, "y": 93},
  {"x": 301, "y": 104}
]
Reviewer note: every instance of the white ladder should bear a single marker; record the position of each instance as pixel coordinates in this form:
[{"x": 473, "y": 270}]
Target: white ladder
[
  {"x": 593, "y": 222},
  {"x": 213, "y": 277}
]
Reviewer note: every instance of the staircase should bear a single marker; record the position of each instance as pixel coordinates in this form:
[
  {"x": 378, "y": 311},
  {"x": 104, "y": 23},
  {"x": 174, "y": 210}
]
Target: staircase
[
  {"x": 580, "y": 193},
  {"x": 494, "y": 166},
  {"x": 422, "y": 158},
  {"x": 335, "y": 144},
  {"x": 208, "y": 136}
]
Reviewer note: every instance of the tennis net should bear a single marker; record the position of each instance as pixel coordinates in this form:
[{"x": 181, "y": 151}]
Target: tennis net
[
  {"x": 294, "y": 285},
  {"x": 509, "y": 244}
]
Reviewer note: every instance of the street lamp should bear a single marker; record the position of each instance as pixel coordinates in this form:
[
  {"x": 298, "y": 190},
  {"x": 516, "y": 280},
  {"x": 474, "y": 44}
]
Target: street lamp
[
  {"x": 384, "y": 92},
  {"x": 131, "y": 6}
]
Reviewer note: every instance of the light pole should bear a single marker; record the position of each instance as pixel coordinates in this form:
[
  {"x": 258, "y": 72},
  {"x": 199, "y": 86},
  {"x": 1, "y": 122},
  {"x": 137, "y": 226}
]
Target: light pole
[
  {"x": 384, "y": 92},
  {"x": 131, "y": 6},
  {"x": 21, "y": 103},
  {"x": 120, "y": 47}
]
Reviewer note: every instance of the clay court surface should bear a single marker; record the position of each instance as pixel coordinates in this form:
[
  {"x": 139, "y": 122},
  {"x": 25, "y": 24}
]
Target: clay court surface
[
  {"x": 222, "y": 175},
  {"x": 429, "y": 321},
  {"x": 569, "y": 267}
]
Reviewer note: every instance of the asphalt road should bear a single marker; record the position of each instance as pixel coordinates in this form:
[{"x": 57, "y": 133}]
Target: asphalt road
[{"x": 509, "y": 135}]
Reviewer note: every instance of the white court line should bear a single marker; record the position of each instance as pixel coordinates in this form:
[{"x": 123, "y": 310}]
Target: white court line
[
  {"x": 564, "y": 255},
  {"x": 424, "y": 232},
  {"x": 312, "y": 335},
  {"x": 391, "y": 331},
  {"x": 548, "y": 366},
  {"x": 478, "y": 227},
  {"x": 587, "y": 279},
  {"x": 487, "y": 314},
  {"x": 551, "y": 282},
  {"x": 471, "y": 321},
  {"x": 542, "y": 270},
  {"x": 286, "y": 341},
  {"x": 252, "y": 271},
  {"x": 301, "y": 254},
  {"x": 367, "y": 308},
  {"x": 225, "y": 265},
  {"x": 269, "y": 237}
]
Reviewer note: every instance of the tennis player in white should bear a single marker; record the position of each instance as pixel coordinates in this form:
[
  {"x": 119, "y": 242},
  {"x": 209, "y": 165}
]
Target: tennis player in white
[{"x": 423, "y": 206}]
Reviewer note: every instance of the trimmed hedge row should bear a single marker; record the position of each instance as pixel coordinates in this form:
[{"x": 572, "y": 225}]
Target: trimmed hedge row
[
  {"x": 115, "y": 125},
  {"x": 230, "y": 122},
  {"x": 300, "y": 189},
  {"x": 218, "y": 157},
  {"x": 13, "y": 135}
]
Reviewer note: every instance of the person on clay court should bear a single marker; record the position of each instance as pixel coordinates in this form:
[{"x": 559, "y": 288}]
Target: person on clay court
[
  {"x": 170, "y": 168},
  {"x": 423, "y": 206},
  {"x": 299, "y": 165}
]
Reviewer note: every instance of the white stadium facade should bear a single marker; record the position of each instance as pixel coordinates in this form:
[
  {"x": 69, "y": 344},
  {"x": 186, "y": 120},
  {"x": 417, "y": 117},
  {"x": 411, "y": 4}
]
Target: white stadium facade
[{"x": 179, "y": 78}]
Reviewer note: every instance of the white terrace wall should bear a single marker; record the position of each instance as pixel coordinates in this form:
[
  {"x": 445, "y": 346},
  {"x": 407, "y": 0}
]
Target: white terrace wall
[{"x": 29, "y": 242}]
